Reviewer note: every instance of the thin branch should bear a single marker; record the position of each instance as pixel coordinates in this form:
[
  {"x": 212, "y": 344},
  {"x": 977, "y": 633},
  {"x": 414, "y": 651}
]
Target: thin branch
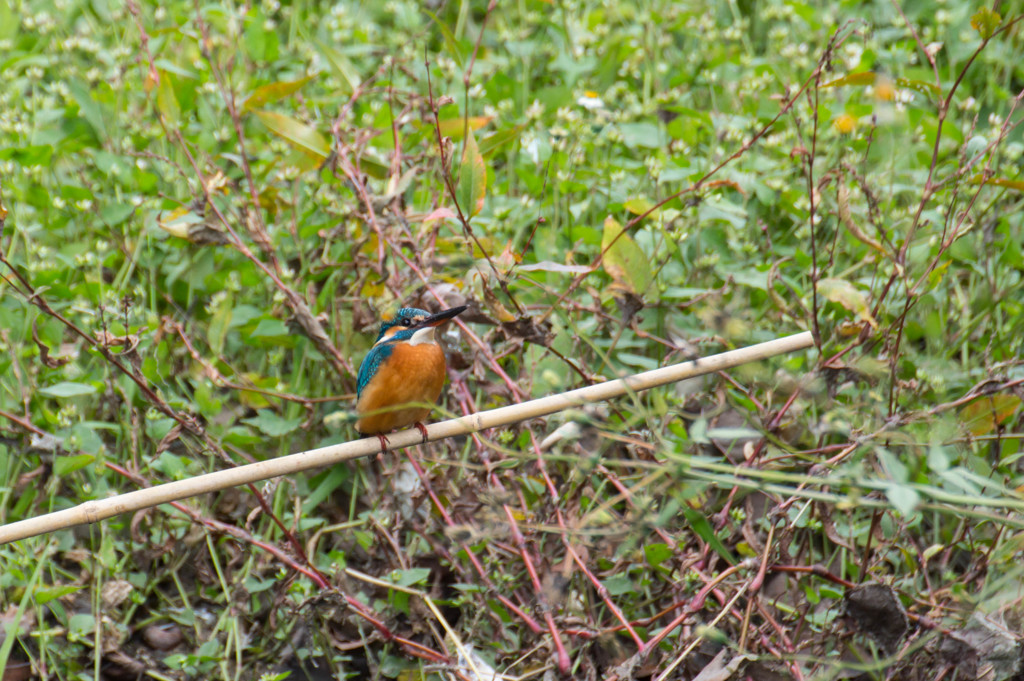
[{"x": 100, "y": 509}]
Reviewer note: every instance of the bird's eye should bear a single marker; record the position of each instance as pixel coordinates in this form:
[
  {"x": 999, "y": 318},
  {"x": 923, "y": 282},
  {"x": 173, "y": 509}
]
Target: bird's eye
[{"x": 404, "y": 321}]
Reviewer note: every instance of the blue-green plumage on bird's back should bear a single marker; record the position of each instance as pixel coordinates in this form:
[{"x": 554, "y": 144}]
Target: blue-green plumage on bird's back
[
  {"x": 369, "y": 366},
  {"x": 403, "y": 373}
]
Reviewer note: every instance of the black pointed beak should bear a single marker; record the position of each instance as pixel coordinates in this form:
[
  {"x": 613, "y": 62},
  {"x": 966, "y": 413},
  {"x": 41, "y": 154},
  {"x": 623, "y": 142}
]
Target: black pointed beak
[{"x": 442, "y": 316}]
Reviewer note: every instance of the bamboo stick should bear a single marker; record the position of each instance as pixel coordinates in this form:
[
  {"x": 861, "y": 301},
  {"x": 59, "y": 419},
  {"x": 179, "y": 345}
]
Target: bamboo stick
[{"x": 100, "y": 509}]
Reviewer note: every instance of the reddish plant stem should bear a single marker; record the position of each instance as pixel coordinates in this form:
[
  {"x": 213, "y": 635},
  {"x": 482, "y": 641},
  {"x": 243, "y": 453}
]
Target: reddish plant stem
[
  {"x": 517, "y": 537},
  {"x": 238, "y": 533},
  {"x": 530, "y": 622}
]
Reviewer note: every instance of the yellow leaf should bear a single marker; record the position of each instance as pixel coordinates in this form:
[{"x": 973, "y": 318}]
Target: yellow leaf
[
  {"x": 455, "y": 127},
  {"x": 374, "y": 167},
  {"x": 625, "y": 262},
  {"x": 252, "y": 398},
  {"x": 472, "y": 178},
  {"x": 274, "y": 91},
  {"x": 936, "y": 275},
  {"x": 861, "y": 78},
  {"x": 496, "y": 308},
  {"x": 178, "y": 221},
  {"x": 998, "y": 182},
  {"x": 985, "y": 22},
  {"x": 846, "y": 217},
  {"x": 372, "y": 290},
  {"x": 167, "y": 102},
  {"x": 301, "y": 160},
  {"x": 641, "y": 206},
  {"x": 846, "y": 294},
  {"x": 884, "y": 84},
  {"x": 985, "y": 414},
  {"x": 298, "y": 134}
]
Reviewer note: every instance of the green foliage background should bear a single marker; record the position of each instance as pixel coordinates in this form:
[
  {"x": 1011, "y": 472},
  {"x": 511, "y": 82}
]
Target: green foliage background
[{"x": 207, "y": 208}]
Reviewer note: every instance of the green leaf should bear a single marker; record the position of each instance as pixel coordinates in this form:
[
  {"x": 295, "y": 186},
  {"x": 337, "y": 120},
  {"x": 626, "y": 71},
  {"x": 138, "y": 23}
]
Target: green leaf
[
  {"x": 492, "y": 143},
  {"x": 732, "y": 434},
  {"x": 9, "y": 23},
  {"x": 102, "y": 10},
  {"x": 29, "y": 155},
  {"x": 699, "y": 524},
  {"x": 115, "y": 213},
  {"x": 642, "y": 135},
  {"x": 241, "y": 437},
  {"x": 171, "y": 465},
  {"x": 336, "y": 476},
  {"x": 273, "y": 92},
  {"x": 619, "y": 585},
  {"x": 269, "y": 423},
  {"x": 904, "y": 499},
  {"x": 206, "y": 401},
  {"x": 45, "y": 595},
  {"x": 341, "y": 65},
  {"x": 270, "y": 328},
  {"x": 89, "y": 441},
  {"x": 164, "y": 65},
  {"x": 374, "y": 167},
  {"x": 449, "y": 39},
  {"x": 895, "y": 469},
  {"x": 548, "y": 266},
  {"x": 472, "y": 178},
  {"x": 88, "y": 107},
  {"x": 68, "y": 389},
  {"x": 220, "y": 324},
  {"x": 938, "y": 459},
  {"x": 261, "y": 44},
  {"x": 986, "y": 22},
  {"x": 657, "y": 553},
  {"x": 410, "y": 576},
  {"x": 254, "y": 585},
  {"x": 299, "y": 135},
  {"x": 82, "y": 624},
  {"x": 271, "y": 332},
  {"x": 65, "y": 465}
]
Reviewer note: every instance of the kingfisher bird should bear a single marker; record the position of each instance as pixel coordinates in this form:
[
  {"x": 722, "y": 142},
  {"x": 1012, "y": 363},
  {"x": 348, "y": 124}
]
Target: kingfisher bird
[{"x": 403, "y": 373}]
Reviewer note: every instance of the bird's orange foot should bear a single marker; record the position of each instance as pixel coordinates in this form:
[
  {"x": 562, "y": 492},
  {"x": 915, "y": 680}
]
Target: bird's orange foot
[
  {"x": 423, "y": 431},
  {"x": 383, "y": 443}
]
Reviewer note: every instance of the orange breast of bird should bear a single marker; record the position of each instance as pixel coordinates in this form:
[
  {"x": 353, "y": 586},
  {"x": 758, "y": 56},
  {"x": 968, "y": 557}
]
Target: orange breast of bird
[{"x": 413, "y": 373}]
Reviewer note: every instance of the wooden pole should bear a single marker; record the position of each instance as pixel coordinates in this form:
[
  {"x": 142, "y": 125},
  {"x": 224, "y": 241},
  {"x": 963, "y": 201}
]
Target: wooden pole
[{"x": 100, "y": 509}]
